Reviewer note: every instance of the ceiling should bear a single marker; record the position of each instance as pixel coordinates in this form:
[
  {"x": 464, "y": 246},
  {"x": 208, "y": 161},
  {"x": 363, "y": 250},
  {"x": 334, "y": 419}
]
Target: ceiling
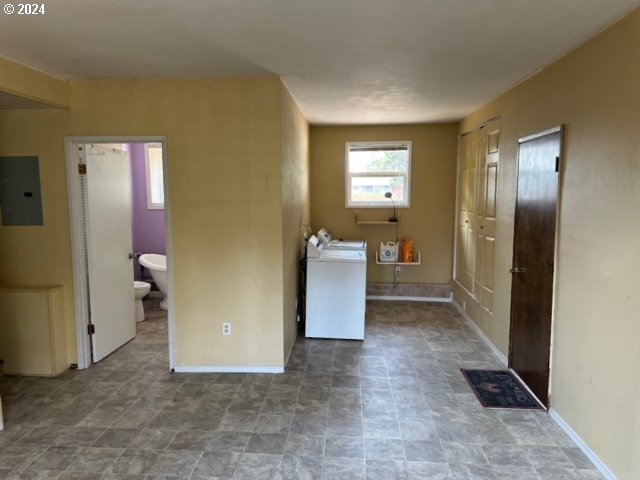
[{"x": 344, "y": 61}]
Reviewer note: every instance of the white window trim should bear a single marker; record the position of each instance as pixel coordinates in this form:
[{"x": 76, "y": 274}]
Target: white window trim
[
  {"x": 383, "y": 203},
  {"x": 147, "y": 168}
]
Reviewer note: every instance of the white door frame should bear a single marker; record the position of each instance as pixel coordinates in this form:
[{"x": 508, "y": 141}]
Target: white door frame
[{"x": 80, "y": 285}]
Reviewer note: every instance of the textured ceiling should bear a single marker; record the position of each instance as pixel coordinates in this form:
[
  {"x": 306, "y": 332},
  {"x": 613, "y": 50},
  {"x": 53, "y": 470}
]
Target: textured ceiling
[{"x": 344, "y": 61}]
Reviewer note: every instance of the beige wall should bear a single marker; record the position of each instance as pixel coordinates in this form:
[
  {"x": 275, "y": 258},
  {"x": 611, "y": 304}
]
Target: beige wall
[
  {"x": 224, "y": 173},
  {"x": 429, "y": 220},
  {"x": 295, "y": 208},
  {"x": 27, "y": 83},
  {"x": 596, "y": 334}
]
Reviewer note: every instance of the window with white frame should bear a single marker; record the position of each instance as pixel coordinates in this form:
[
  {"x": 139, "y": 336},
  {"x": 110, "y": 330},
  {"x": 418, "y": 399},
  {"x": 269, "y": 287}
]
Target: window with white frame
[
  {"x": 155, "y": 177},
  {"x": 374, "y": 169}
]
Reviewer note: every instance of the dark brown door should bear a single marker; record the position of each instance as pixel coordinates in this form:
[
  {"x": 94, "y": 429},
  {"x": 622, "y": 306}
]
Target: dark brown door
[{"x": 533, "y": 259}]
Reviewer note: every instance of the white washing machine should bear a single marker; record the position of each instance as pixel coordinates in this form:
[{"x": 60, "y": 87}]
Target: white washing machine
[
  {"x": 336, "y": 292},
  {"x": 329, "y": 242}
]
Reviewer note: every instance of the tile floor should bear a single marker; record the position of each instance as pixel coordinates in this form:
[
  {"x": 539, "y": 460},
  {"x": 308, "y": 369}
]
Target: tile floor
[{"x": 393, "y": 407}]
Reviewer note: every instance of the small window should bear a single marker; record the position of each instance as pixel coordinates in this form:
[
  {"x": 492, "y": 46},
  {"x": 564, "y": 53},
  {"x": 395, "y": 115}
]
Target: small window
[
  {"x": 155, "y": 179},
  {"x": 376, "y": 168}
]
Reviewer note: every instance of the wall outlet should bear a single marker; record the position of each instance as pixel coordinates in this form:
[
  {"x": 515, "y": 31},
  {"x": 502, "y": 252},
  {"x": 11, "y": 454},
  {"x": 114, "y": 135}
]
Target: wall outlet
[
  {"x": 397, "y": 270},
  {"x": 226, "y": 329}
]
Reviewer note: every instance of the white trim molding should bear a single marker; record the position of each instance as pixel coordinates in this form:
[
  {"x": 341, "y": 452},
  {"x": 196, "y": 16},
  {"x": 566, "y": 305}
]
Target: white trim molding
[
  {"x": 590, "y": 454},
  {"x": 227, "y": 369},
  {"x": 80, "y": 286},
  {"x": 77, "y": 257},
  {"x": 481, "y": 334}
]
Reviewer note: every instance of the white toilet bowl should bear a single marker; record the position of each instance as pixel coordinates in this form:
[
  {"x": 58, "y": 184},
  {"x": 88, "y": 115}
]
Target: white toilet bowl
[{"x": 141, "y": 289}]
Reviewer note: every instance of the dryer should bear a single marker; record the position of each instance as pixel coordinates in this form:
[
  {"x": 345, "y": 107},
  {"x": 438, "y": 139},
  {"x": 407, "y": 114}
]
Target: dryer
[{"x": 336, "y": 292}]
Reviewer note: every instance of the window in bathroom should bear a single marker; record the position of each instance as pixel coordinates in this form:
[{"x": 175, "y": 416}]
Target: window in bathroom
[{"x": 155, "y": 181}]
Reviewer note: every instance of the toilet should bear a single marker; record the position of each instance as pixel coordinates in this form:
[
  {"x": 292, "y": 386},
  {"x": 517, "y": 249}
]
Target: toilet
[{"x": 141, "y": 289}]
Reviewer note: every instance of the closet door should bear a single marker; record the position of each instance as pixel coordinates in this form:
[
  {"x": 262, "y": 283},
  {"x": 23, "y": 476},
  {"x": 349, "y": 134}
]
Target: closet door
[
  {"x": 465, "y": 257},
  {"x": 485, "y": 234}
]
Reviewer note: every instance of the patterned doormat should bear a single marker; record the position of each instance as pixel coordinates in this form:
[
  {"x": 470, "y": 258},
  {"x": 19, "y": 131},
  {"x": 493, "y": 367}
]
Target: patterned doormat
[{"x": 500, "y": 389}]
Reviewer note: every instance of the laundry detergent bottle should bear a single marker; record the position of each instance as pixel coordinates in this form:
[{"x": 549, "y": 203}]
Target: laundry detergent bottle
[{"x": 407, "y": 250}]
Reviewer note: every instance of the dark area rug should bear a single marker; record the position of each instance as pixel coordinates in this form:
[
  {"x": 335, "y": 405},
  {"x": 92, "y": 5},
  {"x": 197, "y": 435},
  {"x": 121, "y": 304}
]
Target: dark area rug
[{"x": 500, "y": 389}]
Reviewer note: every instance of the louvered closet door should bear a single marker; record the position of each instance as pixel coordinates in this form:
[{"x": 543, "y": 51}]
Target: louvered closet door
[
  {"x": 467, "y": 210},
  {"x": 485, "y": 234}
]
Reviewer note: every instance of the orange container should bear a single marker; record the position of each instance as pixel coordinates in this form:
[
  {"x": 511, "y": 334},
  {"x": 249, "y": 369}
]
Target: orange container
[{"x": 407, "y": 250}]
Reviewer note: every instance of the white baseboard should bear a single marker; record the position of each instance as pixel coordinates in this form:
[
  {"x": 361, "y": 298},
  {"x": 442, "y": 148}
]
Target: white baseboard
[
  {"x": 227, "y": 369},
  {"x": 481, "y": 334},
  {"x": 409, "y": 299},
  {"x": 602, "y": 468}
]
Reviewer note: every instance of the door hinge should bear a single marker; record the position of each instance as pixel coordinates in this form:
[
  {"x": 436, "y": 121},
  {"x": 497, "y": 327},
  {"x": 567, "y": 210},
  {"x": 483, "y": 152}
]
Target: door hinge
[
  {"x": 82, "y": 168},
  {"x": 91, "y": 329}
]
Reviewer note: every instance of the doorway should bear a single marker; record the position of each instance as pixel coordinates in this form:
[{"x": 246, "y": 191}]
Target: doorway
[
  {"x": 534, "y": 247},
  {"x": 99, "y": 177}
]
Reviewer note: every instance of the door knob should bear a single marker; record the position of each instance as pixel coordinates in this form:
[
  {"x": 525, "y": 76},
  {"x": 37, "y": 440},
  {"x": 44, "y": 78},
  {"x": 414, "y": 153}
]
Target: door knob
[{"x": 518, "y": 270}]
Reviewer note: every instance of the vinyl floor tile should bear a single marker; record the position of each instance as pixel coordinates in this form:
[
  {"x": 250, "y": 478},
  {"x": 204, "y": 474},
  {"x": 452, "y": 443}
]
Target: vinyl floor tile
[{"x": 392, "y": 407}]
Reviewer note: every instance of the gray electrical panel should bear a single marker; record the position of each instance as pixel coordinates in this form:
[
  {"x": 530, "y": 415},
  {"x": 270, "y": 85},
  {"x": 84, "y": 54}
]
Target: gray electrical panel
[{"x": 20, "y": 197}]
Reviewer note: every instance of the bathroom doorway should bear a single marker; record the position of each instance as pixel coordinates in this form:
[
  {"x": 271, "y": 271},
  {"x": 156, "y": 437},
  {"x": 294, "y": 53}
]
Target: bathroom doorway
[{"x": 119, "y": 210}]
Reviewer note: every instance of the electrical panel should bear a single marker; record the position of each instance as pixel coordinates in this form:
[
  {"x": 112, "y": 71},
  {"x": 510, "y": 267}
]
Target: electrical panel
[{"x": 20, "y": 196}]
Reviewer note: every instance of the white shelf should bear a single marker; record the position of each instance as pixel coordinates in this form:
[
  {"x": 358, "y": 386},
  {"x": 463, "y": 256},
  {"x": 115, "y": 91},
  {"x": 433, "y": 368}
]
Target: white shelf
[
  {"x": 377, "y": 222},
  {"x": 400, "y": 264}
]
